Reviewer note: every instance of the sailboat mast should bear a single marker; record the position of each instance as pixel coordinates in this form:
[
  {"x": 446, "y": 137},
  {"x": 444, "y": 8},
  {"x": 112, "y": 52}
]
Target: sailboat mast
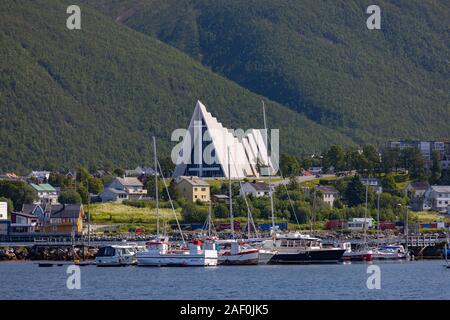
[
  {"x": 266, "y": 137},
  {"x": 156, "y": 186},
  {"x": 209, "y": 219},
  {"x": 378, "y": 213},
  {"x": 230, "y": 194},
  {"x": 365, "y": 216}
]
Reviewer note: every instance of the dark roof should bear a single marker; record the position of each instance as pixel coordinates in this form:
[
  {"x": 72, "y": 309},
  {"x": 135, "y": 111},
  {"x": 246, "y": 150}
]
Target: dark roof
[
  {"x": 116, "y": 191},
  {"x": 65, "y": 211},
  {"x": 28, "y": 208},
  {"x": 259, "y": 185},
  {"x": 327, "y": 189},
  {"x": 23, "y": 214},
  {"x": 419, "y": 185},
  {"x": 194, "y": 181}
]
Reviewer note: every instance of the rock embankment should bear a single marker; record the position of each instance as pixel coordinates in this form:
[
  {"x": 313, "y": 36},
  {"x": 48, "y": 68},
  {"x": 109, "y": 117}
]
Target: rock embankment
[{"x": 54, "y": 253}]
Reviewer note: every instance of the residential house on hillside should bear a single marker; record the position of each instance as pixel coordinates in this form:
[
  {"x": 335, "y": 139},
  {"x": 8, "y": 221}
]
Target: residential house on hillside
[
  {"x": 255, "y": 188},
  {"x": 46, "y": 193},
  {"x": 437, "y": 198},
  {"x": 219, "y": 198},
  {"x": 65, "y": 219},
  {"x": 374, "y": 183},
  {"x": 38, "y": 211},
  {"x": 131, "y": 185},
  {"x": 193, "y": 188},
  {"x": 329, "y": 194},
  {"x": 9, "y": 176},
  {"x": 39, "y": 176},
  {"x": 140, "y": 171},
  {"x": 416, "y": 189},
  {"x": 23, "y": 222},
  {"x": 113, "y": 195}
]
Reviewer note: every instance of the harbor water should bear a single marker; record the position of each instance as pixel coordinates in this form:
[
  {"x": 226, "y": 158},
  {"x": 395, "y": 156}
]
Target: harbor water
[{"x": 399, "y": 280}]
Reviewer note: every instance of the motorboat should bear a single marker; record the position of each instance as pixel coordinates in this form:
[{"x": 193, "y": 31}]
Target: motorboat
[
  {"x": 159, "y": 253},
  {"x": 390, "y": 252},
  {"x": 239, "y": 253},
  {"x": 360, "y": 254},
  {"x": 298, "y": 248},
  {"x": 117, "y": 255}
]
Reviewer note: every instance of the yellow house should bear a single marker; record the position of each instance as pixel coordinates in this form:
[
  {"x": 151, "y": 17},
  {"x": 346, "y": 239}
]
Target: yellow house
[
  {"x": 64, "y": 219},
  {"x": 193, "y": 189}
]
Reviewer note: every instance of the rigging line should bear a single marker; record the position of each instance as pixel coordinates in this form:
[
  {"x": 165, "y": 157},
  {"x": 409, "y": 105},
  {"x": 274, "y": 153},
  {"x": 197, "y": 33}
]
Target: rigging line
[
  {"x": 249, "y": 212},
  {"x": 170, "y": 200},
  {"x": 289, "y": 197}
]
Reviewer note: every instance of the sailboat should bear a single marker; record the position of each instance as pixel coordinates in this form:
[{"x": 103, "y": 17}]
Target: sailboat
[
  {"x": 238, "y": 252},
  {"x": 160, "y": 252},
  {"x": 363, "y": 253},
  {"x": 294, "y": 247}
]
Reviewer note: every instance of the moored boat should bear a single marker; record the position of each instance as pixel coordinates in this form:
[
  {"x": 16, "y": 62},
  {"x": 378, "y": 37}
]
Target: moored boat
[
  {"x": 390, "y": 252},
  {"x": 116, "y": 255},
  {"x": 239, "y": 254},
  {"x": 160, "y": 254},
  {"x": 361, "y": 254},
  {"x": 297, "y": 248}
]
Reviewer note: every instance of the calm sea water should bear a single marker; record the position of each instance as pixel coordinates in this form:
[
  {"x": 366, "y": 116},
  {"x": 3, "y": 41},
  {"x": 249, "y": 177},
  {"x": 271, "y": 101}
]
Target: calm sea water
[{"x": 399, "y": 280}]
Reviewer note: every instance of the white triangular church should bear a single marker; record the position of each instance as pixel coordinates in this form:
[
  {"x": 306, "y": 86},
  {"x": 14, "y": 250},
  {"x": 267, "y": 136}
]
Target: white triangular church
[{"x": 211, "y": 150}]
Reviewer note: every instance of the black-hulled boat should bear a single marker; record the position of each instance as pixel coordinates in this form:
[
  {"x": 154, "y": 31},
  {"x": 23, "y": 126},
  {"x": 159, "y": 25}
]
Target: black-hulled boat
[{"x": 297, "y": 248}]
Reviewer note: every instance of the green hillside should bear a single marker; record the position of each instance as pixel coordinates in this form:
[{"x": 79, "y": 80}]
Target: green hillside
[
  {"x": 71, "y": 97},
  {"x": 318, "y": 57}
]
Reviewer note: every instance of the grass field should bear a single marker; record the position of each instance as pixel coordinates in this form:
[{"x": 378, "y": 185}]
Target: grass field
[
  {"x": 429, "y": 216},
  {"x": 314, "y": 182},
  {"x": 128, "y": 216}
]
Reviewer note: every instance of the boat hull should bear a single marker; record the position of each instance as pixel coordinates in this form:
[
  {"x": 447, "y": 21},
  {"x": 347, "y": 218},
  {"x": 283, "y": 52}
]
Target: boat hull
[
  {"x": 265, "y": 256},
  {"x": 308, "y": 256},
  {"x": 389, "y": 256},
  {"x": 176, "y": 260},
  {"x": 358, "y": 257},
  {"x": 242, "y": 258}
]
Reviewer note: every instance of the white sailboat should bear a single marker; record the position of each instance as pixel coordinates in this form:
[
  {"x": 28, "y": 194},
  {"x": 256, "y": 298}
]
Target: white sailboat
[
  {"x": 160, "y": 252},
  {"x": 238, "y": 253}
]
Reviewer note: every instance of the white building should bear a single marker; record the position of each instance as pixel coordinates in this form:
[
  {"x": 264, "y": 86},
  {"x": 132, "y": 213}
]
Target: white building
[
  {"x": 437, "y": 198},
  {"x": 47, "y": 194},
  {"x": 358, "y": 223},
  {"x": 329, "y": 194},
  {"x": 208, "y": 148},
  {"x": 3, "y": 210},
  {"x": 374, "y": 183},
  {"x": 256, "y": 189}
]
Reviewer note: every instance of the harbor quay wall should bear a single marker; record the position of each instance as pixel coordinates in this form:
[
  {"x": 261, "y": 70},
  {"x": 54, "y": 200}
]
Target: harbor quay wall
[{"x": 47, "y": 252}]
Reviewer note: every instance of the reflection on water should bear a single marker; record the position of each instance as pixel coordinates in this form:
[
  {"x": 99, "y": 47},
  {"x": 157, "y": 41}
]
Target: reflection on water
[{"x": 399, "y": 280}]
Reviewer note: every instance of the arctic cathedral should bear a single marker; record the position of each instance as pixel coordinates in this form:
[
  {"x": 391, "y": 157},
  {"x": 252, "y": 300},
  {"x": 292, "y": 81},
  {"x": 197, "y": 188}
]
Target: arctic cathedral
[{"x": 209, "y": 149}]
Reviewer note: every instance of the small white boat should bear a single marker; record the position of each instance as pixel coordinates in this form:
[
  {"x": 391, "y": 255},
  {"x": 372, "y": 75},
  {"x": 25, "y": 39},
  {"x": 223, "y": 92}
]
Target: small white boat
[
  {"x": 116, "y": 255},
  {"x": 238, "y": 254},
  {"x": 159, "y": 254},
  {"x": 361, "y": 254},
  {"x": 390, "y": 252}
]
